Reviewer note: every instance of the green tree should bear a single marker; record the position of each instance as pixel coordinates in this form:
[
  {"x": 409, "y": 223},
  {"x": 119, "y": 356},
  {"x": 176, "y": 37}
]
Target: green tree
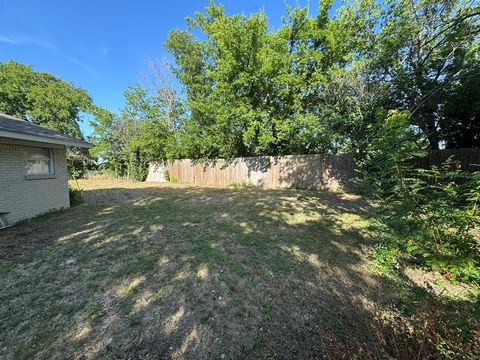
[
  {"x": 143, "y": 132},
  {"x": 228, "y": 79},
  {"x": 42, "y": 98},
  {"x": 460, "y": 123},
  {"x": 428, "y": 49},
  {"x": 47, "y": 101},
  {"x": 253, "y": 90}
]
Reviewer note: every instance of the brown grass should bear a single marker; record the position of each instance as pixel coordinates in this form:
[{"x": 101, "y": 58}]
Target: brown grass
[{"x": 172, "y": 271}]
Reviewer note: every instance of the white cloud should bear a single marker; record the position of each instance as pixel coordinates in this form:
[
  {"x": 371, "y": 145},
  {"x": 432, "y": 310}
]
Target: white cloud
[
  {"x": 22, "y": 40},
  {"x": 9, "y": 40},
  {"x": 80, "y": 64}
]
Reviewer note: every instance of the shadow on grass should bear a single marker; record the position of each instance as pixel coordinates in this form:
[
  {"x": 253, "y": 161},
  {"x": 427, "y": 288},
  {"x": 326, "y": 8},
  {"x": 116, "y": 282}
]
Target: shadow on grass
[{"x": 194, "y": 272}]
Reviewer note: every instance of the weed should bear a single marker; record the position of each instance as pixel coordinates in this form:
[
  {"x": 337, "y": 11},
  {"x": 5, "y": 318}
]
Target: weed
[
  {"x": 386, "y": 257},
  {"x": 242, "y": 184},
  {"x": 75, "y": 196}
]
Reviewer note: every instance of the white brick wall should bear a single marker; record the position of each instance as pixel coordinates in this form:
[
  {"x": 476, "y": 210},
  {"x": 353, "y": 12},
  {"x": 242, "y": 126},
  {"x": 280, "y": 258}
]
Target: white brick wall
[{"x": 23, "y": 198}]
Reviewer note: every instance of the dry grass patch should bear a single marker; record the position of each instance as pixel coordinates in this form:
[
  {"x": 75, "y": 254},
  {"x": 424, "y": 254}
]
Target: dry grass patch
[{"x": 173, "y": 271}]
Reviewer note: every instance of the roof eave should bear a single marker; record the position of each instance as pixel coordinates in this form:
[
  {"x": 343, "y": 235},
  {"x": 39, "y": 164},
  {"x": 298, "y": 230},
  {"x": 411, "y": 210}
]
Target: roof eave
[{"x": 44, "y": 139}]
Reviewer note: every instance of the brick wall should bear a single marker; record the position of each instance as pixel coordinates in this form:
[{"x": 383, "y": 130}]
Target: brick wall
[{"x": 23, "y": 198}]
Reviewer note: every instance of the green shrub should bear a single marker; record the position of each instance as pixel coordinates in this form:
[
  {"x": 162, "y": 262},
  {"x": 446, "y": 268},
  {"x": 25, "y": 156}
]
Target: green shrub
[
  {"x": 386, "y": 257},
  {"x": 137, "y": 166},
  {"x": 435, "y": 209},
  {"x": 75, "y": 196},
  {"x": 442, "y": 216}
]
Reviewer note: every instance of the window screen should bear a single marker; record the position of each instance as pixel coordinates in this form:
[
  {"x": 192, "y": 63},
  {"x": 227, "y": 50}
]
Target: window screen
[{"x": 39, "y": 161}]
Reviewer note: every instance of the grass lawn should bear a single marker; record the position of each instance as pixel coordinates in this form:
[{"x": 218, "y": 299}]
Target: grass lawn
[{"x": 144, "y": 270}]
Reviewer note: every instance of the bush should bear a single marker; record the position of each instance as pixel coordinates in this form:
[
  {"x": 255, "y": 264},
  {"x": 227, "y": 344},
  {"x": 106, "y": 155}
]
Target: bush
[
  {"x": 435, "y": 209},
  {"x": 75, "y": 195},
  {"x": 137, "y": 166},
  {"x": 442, "y": 216},
  {"x": 386, "y": 257}
]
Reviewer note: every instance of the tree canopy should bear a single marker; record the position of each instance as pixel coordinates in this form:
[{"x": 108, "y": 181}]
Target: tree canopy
[
  {"x": 48, "y": 101},
  {"x": 315, "y": 84},
  {"x": 144, "y": 130},
  {"x": 42, "y": 98},
  {"x": 320, "y": 83}
]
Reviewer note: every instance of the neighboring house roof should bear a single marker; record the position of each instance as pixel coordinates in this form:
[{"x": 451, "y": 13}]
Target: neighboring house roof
[{"x": 13, "y": 128}]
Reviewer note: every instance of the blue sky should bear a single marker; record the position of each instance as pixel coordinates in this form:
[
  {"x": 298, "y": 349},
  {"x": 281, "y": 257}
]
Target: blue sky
[{"x": 104, "y": 45}]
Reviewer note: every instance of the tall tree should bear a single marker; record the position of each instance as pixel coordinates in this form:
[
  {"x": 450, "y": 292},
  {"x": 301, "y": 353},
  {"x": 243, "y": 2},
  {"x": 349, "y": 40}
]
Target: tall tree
[
  {"x": 144, "y": 131},
  {"x": 253, "y": 90},
  {"x": 427, "y": 50},
  {"x": 48, "y": 101},
  {"x": 228, "y": 79},
  {"x": 42, "y": 98}
]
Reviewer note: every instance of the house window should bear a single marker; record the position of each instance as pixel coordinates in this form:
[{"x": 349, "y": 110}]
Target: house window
[{"x": 39, "y": 161}]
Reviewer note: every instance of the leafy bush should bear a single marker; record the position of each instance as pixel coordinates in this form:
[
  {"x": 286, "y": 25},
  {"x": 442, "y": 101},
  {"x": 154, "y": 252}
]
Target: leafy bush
[
  {"x": 443, "y": 216},
  {"x": 436, "y": 209},
  {"x": 386, "y": 257},
  {"x": 137, "y": 166},
  {"x": 75, "y": 195}
]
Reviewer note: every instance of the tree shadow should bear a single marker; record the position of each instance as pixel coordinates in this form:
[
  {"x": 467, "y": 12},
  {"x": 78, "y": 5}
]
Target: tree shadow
[
  {"x": 196, "y": 272},
  {"x": 325, "y": 172}
]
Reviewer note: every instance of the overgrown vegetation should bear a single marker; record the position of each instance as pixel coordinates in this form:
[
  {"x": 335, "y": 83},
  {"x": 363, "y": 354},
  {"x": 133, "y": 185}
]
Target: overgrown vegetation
[
  {"x": 317, "y": 84},
  {"x": 435, "y": 210},
  {"x": 142, "y": 132}
]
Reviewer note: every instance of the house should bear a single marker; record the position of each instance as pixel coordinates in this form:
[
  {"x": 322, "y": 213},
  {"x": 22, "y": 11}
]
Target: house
[{"x": 33, "y": 169}]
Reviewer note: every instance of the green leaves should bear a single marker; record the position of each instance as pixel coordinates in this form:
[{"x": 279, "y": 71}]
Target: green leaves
[
  {"x": 424, "y": 51},
  {"x": 143, "y": 132},
  {"x": 435, "y": 207},
  {"x": 48, "y": 101},
  {"x": 254, "y": 90},
  {"x": 42, "y": 98}
]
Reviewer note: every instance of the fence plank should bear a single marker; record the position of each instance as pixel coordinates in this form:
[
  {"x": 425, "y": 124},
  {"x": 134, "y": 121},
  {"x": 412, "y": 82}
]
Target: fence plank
[
  {"x": 466, "y": 159},
  {"x": 302, "y": 171},
  {"x": 326, "y": 172}
]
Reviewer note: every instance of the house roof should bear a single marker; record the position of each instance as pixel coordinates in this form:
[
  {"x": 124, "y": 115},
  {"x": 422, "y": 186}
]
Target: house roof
[{"x": 13, "y": 128}]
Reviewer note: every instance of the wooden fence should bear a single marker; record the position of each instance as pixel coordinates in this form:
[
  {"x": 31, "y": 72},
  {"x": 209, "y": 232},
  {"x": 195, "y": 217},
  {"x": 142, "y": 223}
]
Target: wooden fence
[
  {"x": 301, "y": 171},
  {"x": 467, "y": 159},
  {"x": 326, "y": 172}
]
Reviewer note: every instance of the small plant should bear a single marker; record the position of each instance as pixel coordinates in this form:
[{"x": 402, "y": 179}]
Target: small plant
[
  {"x": 75, "y": 195},
  {"x": 386, "y": 257},
  {"x": 172, "y": 179},
  {"x": 242, "y": 184}
]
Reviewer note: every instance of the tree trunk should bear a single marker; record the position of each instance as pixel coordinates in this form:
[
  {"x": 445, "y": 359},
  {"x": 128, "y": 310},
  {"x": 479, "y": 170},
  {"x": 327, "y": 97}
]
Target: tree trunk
[{"x": 433, "y": 140}]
